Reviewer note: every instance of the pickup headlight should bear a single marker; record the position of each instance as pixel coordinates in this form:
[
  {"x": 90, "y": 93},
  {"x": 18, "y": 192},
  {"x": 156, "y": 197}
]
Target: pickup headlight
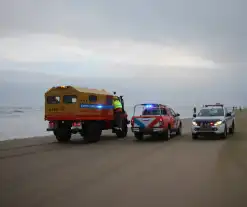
[
  {"x": 218, "y": 123},
  {"x": 194, "y": 123}
]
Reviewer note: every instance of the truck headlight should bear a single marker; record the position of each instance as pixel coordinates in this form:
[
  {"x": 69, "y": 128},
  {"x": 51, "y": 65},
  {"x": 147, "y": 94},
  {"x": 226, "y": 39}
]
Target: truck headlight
[
  {"x": 218, "y": 123},
  {"x": 194, "y": 123}
]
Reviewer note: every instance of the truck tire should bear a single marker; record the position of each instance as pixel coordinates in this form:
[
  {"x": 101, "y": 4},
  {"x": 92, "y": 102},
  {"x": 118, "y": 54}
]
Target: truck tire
[
  {"x": 139, "y": 136},
  {"x": 179, "y": 131},
  {"x": 224, "y": 135},
  {"x": 232, "y": 129},
  {"x": 124, "y": 132},
  {"x": 194, "y": 136},
  {"x": 167, "y": 134},
  {"x": 92, "y": 132},
  {"x": 63, "y": 134}
]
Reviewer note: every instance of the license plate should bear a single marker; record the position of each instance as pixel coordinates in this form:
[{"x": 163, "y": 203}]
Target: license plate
[
  {"x": 206, "y": 129},
  {"x": 157, "y": 129},
  {"x": 136, "y": 129},
  {"x": 205, "y": 125},
  {"x": 145, "y": 119}
]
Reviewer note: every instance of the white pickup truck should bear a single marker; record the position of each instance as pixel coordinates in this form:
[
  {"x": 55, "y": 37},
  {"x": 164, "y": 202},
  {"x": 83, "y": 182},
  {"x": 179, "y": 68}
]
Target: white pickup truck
[{"x": 213, "y": 120}]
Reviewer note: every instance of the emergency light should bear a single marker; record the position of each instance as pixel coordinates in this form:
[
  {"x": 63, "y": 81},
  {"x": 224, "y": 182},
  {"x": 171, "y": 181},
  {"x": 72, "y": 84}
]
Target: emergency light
[
  {"x": 61, "y": 87},
  {"x": 150, "y": 105}
]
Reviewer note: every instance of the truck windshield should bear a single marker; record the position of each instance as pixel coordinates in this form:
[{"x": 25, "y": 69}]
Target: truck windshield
[{"x": 211, "y": 112}]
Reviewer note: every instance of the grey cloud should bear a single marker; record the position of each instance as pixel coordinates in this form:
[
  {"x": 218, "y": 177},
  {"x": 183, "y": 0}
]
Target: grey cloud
[
  {"x": 215, "y": 29},
  {"x": 27, "y": 88}
]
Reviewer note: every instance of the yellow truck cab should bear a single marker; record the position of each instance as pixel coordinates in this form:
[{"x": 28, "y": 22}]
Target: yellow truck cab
[{"x": 71, "y": 110}]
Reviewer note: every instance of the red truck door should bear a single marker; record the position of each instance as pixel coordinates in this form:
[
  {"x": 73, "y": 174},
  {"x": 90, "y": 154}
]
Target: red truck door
[{"x": 173, "y": 118}]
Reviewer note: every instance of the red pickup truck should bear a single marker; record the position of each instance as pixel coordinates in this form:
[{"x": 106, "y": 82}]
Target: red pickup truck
[{"x": 155, "y": 119}]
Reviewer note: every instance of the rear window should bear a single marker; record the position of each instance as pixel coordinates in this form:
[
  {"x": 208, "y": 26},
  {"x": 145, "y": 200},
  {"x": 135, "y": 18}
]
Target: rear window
[
  {"x": 53, "y": 99},
  {"x": 154, "y": 112},
  {"x": 69, "y": 99}
]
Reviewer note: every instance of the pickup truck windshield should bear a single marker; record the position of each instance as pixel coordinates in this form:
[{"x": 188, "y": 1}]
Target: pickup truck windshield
[{"x": 211, "y": 112}]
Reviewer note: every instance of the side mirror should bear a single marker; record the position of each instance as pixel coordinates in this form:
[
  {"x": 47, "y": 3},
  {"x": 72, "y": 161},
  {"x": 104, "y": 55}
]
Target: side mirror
[
  {"x": 194, "y": 115},
  {"x": 228, "y": 114},
  {"x": 177, "y": 114}
]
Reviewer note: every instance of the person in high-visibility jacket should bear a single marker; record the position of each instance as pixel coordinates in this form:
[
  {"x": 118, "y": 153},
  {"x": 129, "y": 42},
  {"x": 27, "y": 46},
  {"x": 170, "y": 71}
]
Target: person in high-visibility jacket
[{"x": 118, "y": 109}]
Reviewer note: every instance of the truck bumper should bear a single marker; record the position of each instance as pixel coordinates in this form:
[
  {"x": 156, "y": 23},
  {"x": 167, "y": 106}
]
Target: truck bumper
[
  {"x": 155, "y": 130},
  {"x": 214, "y": 130}
]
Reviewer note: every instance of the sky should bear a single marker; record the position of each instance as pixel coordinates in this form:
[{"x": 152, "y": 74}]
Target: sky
[{"x": 176, "y": 51}]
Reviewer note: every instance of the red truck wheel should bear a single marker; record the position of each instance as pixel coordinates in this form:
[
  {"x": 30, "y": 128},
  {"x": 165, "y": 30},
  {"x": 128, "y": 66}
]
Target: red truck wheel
[
  {"x": 167, "y": 134},
  {"x": 179, "y": 130}
]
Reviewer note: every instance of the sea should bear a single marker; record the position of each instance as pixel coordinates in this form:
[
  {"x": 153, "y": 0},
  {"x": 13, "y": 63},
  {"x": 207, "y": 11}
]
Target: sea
[{"x": 22, "y": 122}]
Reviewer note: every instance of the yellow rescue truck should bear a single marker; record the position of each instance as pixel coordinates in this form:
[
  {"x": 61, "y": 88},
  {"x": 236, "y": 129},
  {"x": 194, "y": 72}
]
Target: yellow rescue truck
[{"x": 70, "y": 110}]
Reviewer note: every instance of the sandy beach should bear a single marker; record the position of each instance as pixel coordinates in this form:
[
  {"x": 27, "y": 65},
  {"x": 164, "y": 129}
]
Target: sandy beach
[{"x": 124, "y": 173}]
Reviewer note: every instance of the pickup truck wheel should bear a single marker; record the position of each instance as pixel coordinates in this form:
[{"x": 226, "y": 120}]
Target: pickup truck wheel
[
  {"x": 224, "y": 135},
  {"x": 139, "y": 136},
  {"x": 92, "y": 132},
  {"x": 62, "y": 134},
  {"x": 232, "y": 129},
  {"x": 179, "y": 131},
  {"x": 194, "y": 136},
  {"x": 167, "y": 134}
]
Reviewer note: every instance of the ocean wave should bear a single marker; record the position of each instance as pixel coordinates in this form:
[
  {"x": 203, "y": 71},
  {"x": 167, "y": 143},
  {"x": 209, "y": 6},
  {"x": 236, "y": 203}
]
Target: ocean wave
[{"x": 16, "y": 111}]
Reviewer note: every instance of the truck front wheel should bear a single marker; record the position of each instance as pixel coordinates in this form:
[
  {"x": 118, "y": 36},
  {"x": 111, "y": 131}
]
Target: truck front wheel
[
  {"x": 167, "y": 134},
  {"x": 194, "y": 136},
  {"x": 232, "y": 129},
  {"x": 224, "y": 135},
  {"x": 179, "y": 130},
  {"x": 124, "y": 132}
]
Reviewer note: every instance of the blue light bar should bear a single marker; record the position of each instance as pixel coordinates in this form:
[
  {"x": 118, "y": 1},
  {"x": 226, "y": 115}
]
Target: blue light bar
[
  {"x": 150, "y": 105},
  {"x": 95, "y": 106}
]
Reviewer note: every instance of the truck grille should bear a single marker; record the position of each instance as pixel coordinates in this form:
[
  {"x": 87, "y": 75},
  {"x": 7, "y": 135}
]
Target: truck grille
[{"x": 205, "y": 123}]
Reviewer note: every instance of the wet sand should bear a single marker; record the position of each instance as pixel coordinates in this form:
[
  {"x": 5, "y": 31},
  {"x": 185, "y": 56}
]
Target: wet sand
[{"x": 126, "y": 173}]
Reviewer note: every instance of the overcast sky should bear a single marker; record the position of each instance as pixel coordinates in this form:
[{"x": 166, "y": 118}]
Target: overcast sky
[{"x": 168, "y": 47}]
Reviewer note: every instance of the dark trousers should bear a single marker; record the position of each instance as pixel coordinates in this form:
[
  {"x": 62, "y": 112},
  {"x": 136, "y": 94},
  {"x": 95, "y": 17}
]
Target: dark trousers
[{"x": 118, "y": 119}]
